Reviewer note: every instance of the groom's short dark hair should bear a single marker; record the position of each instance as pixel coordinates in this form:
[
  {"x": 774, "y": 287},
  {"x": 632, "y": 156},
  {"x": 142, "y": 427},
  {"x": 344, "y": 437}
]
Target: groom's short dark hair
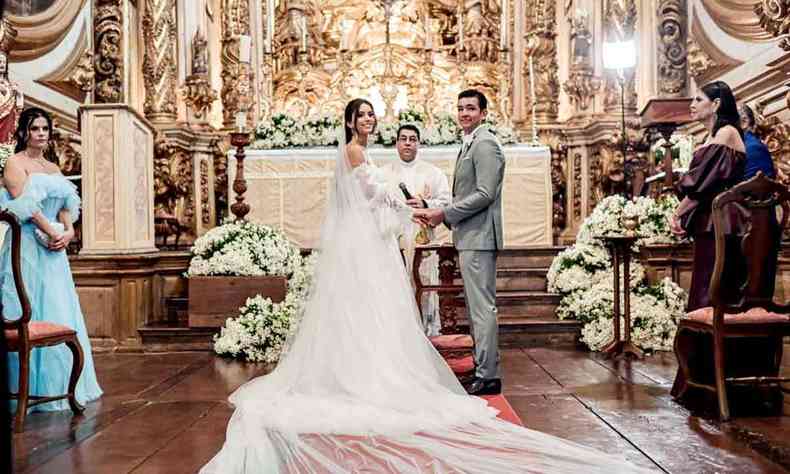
[
  {"x": 481, "y": 98},
  {"x": 408, "y": 126}
]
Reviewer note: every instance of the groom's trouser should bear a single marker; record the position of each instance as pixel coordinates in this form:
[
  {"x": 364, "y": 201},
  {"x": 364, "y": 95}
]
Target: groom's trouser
[{"x": 478, "y": 269}]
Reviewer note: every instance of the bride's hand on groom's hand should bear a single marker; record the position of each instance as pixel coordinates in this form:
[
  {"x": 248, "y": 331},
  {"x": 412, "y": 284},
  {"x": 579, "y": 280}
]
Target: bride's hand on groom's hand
[{"x": 429, "y": 217}]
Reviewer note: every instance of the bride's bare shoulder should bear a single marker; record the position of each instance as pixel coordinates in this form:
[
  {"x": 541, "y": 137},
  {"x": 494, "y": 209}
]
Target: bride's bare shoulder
[{"x": 355, "y": 154}]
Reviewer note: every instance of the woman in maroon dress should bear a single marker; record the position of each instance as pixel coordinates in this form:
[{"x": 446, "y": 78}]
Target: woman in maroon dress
[{"x": 717, "y": 165}]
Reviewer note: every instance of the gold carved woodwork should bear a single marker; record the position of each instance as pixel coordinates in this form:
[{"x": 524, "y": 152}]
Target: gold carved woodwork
[
  {"x": 672, "y": 34},
  {"x": 236, "y": 87},
  {"x": 219, "y": 149},
  {"x": 582, "y": 85},
  {"x": 559, "y": 178},
  {"x": 9, "y": 92},
  {"x": 197, "y": 91},
  {"x": 42, "y": 32},
  {"x": 83, "y": 75},
  {"x": 205, "y": 204},
  {"x": 737, "y": 18},
  {"x": 108, "y": 51},
  {"x": 70, "y": 158},
  {"x": 542, "y": 46},
  {"x": 776, "y": 135},
  {"x": 174, "y": 210},
  {"x": 159, "y": 65},
  {"x": 773, "y": 15},
  {"x": 577, "y": 188}
]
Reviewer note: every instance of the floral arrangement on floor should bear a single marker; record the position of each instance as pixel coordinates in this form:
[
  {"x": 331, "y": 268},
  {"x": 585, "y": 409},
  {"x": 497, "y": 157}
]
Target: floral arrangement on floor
[
  {"x": 285, "y": 131},
  {"x": 6, "y": 151},
  {"x": 260, "y": 332},
  {"x": 583, "y": 275}
]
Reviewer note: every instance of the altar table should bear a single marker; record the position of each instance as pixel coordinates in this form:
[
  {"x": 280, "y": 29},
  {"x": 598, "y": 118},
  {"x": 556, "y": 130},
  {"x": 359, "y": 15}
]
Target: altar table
[{"x": 288, "y": 189}]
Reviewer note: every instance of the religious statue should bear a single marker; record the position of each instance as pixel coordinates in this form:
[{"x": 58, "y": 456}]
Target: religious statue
[
  {"x": 199, "y": 53},
  {"x": 581, "y": 40}
]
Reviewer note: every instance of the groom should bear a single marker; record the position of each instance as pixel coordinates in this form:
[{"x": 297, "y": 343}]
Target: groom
[{"x": 475, "y": 217}]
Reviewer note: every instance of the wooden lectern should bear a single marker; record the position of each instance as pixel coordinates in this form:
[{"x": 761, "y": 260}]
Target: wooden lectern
[{"x": 665, "y": 116}]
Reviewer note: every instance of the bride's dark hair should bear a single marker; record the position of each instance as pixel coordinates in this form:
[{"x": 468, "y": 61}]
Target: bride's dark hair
[
  {"x": 352, "y": 109},
  {"x": 22, "y": 133}
]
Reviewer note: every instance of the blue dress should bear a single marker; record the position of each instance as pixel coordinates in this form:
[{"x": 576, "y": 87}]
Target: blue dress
[
  {"x": 50, "y": 288},
  {"x": 758, "y": 158}
]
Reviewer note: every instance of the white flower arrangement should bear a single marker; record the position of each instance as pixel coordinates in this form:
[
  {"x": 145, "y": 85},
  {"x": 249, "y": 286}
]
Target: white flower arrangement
[
  {"x": 6, "y": 151},
  {"x": 243, "y": 248},
  {"x": 583, "y": 275},
  {"x": 284, "y": 131},
  {"x": 262, "y": 329}
]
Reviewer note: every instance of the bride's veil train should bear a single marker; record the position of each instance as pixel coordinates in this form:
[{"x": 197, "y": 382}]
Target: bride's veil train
[{"x": 361, "y": 389}]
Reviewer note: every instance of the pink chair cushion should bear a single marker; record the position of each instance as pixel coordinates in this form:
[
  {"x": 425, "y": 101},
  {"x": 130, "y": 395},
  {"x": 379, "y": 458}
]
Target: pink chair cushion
[
  {"x": 452, "y": 341},
  {"x": 39, "y": 330},
  {"x": 752, "y": 316}
]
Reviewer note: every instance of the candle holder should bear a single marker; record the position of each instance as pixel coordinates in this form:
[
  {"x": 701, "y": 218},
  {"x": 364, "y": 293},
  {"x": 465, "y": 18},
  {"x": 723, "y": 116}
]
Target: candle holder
[{"x": 240, "y": 139}]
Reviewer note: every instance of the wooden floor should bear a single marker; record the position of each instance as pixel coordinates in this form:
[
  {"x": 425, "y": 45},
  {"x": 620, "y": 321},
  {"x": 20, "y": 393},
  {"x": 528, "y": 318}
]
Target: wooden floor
[{"x": 166, "y": 413}]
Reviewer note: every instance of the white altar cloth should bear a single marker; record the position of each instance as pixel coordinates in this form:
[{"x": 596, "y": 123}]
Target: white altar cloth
[{"x": 288, "y": 189}]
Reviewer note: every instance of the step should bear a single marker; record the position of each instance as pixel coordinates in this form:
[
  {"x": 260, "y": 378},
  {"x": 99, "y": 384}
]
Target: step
[
  {"x": 521, "y": 279},
  {"x": 520, "y": 304},
  {"x": 177, "y": 309},
  {"x": 535, "y": 332},
  {"x": 171, "y": 337},
  {"x": 527, "y": 257}
]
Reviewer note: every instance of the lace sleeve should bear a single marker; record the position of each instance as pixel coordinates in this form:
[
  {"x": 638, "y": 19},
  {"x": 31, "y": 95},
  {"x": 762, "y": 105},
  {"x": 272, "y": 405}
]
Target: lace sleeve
[{"x": 391, "y": 214}]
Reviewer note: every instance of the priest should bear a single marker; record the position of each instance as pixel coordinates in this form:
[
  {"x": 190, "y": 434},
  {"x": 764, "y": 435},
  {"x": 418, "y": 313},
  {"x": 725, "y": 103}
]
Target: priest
[{"x": 420, "y": 185}]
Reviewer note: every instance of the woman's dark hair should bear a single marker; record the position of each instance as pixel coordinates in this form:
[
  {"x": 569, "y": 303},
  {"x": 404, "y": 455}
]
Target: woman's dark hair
[
  {"x": 22, "y": 134},
  {"x": 352, "y": 109},
  {"x": 728, "y": 108},
  {"x": 749, "y": 114},
  {"x": 474, "y": 93}
]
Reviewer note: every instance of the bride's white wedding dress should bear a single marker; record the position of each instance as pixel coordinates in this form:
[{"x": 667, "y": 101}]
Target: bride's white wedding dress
[{"x": 361, "y": 388}]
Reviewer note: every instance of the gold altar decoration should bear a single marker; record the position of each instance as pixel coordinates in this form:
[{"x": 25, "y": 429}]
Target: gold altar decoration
[
  {"x": 236, "y": 87},
  {"x": 159, "y": 68},
  {"x": 672, "y": 34},
  {"x": 582, "y": 85},
  {"x": 75, "y": 77},
  {"x": 401, "y": 53},
  {"x": 541, "y": 46},
  {"x": 174, "y": 207},
  {"x": 773, "y": 15},
  {"x": 197, "y": 91},
  {"x": 108, "y": 34},
  {"x": 705, "y": 59}
]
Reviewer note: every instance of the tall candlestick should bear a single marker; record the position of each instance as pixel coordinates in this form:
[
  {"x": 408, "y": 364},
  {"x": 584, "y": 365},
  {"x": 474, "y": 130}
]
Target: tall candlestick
[
  {"x": 303, "y": 45},
  {"x": 504, "y": 20},
  {"x": 533, "y": 100},
  {"x": 428, "y": 32}
]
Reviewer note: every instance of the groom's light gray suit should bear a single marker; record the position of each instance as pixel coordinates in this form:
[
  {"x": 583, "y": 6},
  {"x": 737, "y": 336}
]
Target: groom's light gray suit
[{"x": 475, "y": 217}]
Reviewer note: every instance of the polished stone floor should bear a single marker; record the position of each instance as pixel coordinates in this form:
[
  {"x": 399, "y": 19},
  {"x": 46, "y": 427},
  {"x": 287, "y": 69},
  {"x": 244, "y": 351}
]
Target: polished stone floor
[{"x": 166, "y": 413}]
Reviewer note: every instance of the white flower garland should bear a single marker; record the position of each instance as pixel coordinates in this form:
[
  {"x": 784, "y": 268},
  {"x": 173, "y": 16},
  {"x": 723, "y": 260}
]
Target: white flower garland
[
  {"x": 285, "y": 131},
  {"x": 583, "y": 275},
  {"x": 6, "y": 151}
]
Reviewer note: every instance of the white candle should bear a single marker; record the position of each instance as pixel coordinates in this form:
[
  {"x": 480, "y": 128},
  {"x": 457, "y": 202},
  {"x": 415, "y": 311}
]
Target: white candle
[
  {"x": 269, "y": 25},
  {"x": 241, "y": 120},
  {"x": 428, "y": 33},
  {"x": 303, "y": 45},
  {"x": 245, "y": 42},
  {"x": 461, "y": 26},
  {"x": 503, "y": 33}
]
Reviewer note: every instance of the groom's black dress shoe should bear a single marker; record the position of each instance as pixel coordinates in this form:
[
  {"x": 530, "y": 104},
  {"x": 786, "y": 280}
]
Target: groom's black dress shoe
[{"x": 484, "y": 387}]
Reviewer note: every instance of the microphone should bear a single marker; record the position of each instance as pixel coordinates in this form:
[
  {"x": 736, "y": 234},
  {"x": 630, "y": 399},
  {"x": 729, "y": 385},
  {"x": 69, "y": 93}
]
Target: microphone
[{"x": 405, "y": 191}]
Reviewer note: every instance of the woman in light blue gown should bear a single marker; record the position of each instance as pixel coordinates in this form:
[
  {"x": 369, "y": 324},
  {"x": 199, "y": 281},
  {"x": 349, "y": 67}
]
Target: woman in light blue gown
[{"x": 47, "y": 205}]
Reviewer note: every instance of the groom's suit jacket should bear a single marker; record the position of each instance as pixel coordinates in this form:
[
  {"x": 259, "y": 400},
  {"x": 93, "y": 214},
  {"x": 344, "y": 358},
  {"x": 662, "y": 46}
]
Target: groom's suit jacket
[{"x": 475, "y": 215}]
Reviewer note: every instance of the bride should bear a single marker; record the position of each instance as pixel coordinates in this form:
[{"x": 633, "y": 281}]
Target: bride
[{"x": 361, "y": 389}]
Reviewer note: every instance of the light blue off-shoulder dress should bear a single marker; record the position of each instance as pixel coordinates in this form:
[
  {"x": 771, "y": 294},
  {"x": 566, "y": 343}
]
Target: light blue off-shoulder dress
[{"x": 50, "y": 288}]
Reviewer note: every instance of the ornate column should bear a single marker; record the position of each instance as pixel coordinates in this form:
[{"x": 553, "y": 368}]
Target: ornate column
[
  {"x": 159, "y": 64},
  {"x": 540, "y": 43},
  {"x": 235, "y": 75},
  {"x": 108, "y": 44},
  {"x": 672, "y": 37}
]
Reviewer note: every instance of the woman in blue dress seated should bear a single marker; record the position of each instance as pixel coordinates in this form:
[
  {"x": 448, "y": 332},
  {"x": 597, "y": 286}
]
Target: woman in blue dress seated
[
  {"x": 47, "y": 205},
  {"x": 758, "y": 158}
]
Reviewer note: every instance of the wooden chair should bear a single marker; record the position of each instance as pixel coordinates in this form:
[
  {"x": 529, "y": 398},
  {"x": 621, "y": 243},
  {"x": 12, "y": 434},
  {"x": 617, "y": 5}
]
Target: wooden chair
[
  {"x": 454, "y": 346},
  {"x": 23, "y": 335},
  {"x": 755, "y": 315}
]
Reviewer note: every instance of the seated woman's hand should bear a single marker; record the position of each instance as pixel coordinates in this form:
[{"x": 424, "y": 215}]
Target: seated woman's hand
[
  {"x": 675, "y": 228},
  {"x": 60, "y": 242}
]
